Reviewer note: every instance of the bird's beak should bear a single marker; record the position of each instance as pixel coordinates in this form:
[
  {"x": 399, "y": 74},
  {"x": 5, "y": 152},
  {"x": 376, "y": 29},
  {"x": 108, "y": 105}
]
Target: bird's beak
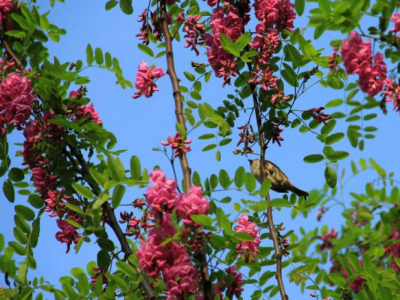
[{"x": 250, "y": 160}]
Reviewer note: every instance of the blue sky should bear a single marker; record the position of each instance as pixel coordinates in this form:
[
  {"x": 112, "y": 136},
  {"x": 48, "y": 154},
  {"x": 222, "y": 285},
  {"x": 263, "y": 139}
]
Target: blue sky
[{"x": 141, "y": 124}]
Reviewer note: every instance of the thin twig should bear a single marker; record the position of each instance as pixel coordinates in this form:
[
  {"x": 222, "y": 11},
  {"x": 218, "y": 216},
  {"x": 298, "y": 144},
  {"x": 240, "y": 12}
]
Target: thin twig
[
  {"x": 202, "y": 253},
  {"x": 270, "y": 220}
]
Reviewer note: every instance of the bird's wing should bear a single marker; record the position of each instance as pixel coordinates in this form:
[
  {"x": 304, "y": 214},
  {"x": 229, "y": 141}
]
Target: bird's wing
[{"x": 275, "y": 171}]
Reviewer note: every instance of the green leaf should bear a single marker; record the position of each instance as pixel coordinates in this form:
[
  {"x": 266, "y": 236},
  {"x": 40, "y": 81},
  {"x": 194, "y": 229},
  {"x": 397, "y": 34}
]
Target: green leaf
[
  {"x": 111, "y": 4},
  {"x": 146, "y": 49},
  {"x": 127, "y": 269},
  {"x": 25, "y": 212},
  {"x": 280, "y": 203},
  {"x": 116, "y": 168},
  {"x": 228, "y": 45},
  {"x": 126, "y": 6},
  {"x": 18, "y": 248},
  {"x": 249, "y": 182},
  {"x": 82, "y": 190},
  {"x": 103, "y": 259},
  {"x": 289, "y": 75},
  {"x": 265, "y": 187},
  {"x": 16, "y": 175},
  {"x": 240, "y": 176},
  {"x": 334, "y": 103},
  {"x": 99, "y": 178},
  {"x": 337, "y": 155},
  {"x": 330, "y": 177},
  {"x": 36, "y": 201},
  {"x": 337, "y": 279},
  {"x": 334, "y": 138},
  {"x": 136, "y": 169},
  {"x": 209, "y": 147},
  {"x": 117, "y": 195},
  {"x": 8, "y": 190},
  {"x": 313, "y": 158},
  {"x": 203, "y": 220},
  {"x": 243, "y": 41},
  {"x": 224, "y": 179},
  {"x": 243, "y": 236},
  {"x": 89, "y": 55},
  {"x": 16, "y": 33},
  {"x": 225, "y": 142},
  {"x": 100, "y": 200},
  {"x": 355, "y": 263},
  {"x": 99, "y": 56},
  {"x": 324, "y": 7},
  {"x": 207, "y": 136},
  {"x": 108, "y": 59},
  {"x": 189, "y": 76},
  {"x": 299, "y": 5}
]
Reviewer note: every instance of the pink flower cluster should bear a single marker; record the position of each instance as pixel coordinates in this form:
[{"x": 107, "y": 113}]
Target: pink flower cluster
[
  {"x": 171, "y": 260},
  {"x": 191, "y": 204},
  {"x": 319, "y": 116},
  {"x": 265, "y": 42},
  {"x": 356, "y": 284},
  {"x": 194, "y": 33},
  {"x": 145, "y": 80},
  {"x": 229, "y": 23},
  {"x": 6, "y": 6},
  {"x": 248, "y": 248},
  {"x": 392, "y": 93},
  {"x": 162, "y": 195},
  {"x": 211, "y": 2},
  {"x": 396, "y": 19},
  {"x": 68, "y": 232},
  {"x": 393, "y": 249},
  {"x": 178, "y": 144},
  {"x": 83, "y": 111},
  {"x": 16, "y": 97},
  {"x": 357, "y": 59},
  {"x": 327, "y": 239},
  {"x": 232, "y": 286},
  {"x": 278, "y": 13}
]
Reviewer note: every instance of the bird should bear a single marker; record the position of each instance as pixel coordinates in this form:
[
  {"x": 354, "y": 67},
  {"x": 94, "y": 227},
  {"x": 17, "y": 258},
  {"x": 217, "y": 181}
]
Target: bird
[{"x": 279, "y": 181}]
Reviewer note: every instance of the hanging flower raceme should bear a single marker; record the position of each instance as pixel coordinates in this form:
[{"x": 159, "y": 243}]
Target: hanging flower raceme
[
  {"x": 68, "y": 232},
  {"x": 162, "y": 195},
  {"x": 190, "y": 204},
  {"x": 393, "y": 250},
  {"x": 16, "y": 98},
  {"x": 171, "y": 260},
  {"x": 392, "y": 93},
  {"x": 357, "y": 59},
  {"x": 276, "y": 134},
  {"x": 265, "y": 43},
  {"x": 275, "y": 13},
  {"x": 178, "y": 144},
  {"x": 232, "y": 285},
  {"x": 6, "y": 7},
  {"x": 327, "y": 239},
  {"x": 248, "y": 248},
  {"x": 83, "y": 111},
  {"x": 229, "y": 23},
  {"x": 43, "y": 178},
  {"x": 145, "y": 80},
  {"x": 194, "y": 33},
  {"x": 319, "y": 116},
  {"x": 396, "y": 19}
]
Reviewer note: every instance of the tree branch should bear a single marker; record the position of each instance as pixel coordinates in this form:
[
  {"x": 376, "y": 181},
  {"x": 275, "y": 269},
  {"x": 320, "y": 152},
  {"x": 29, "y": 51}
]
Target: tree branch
[
  {"x": 270, "y": 219},
  {"x": 113, "y": 223},
  {"x": 201, "y": 256}
]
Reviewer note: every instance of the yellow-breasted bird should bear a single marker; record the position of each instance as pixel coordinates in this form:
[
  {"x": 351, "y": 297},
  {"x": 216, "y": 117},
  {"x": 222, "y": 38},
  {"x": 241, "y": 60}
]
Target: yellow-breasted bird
[{"x": 279, "y": 181}]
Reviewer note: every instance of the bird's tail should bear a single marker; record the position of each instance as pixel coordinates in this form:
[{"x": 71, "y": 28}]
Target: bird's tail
[{"x": 299, "y": 192}]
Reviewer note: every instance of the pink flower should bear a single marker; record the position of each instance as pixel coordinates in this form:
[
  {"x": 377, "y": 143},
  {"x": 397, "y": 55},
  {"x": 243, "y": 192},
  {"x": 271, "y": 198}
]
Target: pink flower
[
  {"x": 16, "y": 97},
  {"x": 178, "y": 144},
  {"x": 68, "y": 233},
  {"x": 248, "y": 247},
  {"x": 319, "y": 116},
  {"x": 6, "y": 7},
  {"x": 276, "y": 134},
  {"x": 372, "y": 77},
  {"x": 278, "y": 13},
  {"x": 171, "y": 260},
  {"x": 43, "y": 179},
  {"x": 392, "y": 93},
  {"x": 393, "y": 249},
  {"x": 396, "y": 19},
  {"x": 162, "y": 195},
  {"x": 326, "y": 239},
  {"x": 55, "y": 204},
  {"x": 145, "y": 80},
  {"x": 211, "y": 3},
  {"x": 83, "y": 111},
  {"x": 191, "y": 204},
  {"x": 265, "y": 44},
  {"x": 355, "y": 52},
  {"x": 194, "y": 33},
  {"x": 229, "y": 23}
]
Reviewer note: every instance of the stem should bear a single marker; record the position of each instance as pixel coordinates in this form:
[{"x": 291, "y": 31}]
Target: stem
[
  {"x": 201, "y": 256},
  {"x": 270, "y": 219},
  {"x": 113, "y": 223},
  {"x": 9, "y": 51}
]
